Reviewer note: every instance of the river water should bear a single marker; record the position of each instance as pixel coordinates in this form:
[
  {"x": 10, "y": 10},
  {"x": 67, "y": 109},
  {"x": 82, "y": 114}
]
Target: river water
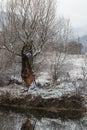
[{"x": 11, "y": 120}]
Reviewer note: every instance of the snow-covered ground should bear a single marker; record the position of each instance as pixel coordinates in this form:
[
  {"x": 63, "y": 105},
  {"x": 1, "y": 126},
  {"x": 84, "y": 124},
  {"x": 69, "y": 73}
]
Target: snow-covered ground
[
  {"x": 55, "y": 91},
  {"x": 73, "y": 65},
  {"x": 77, "y": 64}
]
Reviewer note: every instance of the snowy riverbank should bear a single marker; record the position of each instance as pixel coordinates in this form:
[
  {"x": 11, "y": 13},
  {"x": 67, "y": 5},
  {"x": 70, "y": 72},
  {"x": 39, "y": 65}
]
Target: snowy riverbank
[{"x": 70, "y": 85}]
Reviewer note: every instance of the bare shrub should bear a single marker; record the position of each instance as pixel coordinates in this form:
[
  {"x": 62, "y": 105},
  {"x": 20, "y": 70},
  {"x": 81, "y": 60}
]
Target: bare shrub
[
  {"x": 56, "y": 65},
  {"x": 5, "y": 64}
]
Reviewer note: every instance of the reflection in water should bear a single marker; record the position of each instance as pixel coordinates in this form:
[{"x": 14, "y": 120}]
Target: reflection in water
[
  {"x": 17, "y": 121},
  {"x": 27, "y": 125},
  {"x": 57, "y": 124},
  {"x": 11, "y": 121}
]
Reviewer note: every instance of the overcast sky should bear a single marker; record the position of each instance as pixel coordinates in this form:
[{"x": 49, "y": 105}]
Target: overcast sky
[{"x": 76, "y": 10}]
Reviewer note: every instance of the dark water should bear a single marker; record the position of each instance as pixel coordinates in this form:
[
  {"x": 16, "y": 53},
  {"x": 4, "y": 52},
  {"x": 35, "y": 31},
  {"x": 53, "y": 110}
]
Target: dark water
[{"x": 11, "y": 120}]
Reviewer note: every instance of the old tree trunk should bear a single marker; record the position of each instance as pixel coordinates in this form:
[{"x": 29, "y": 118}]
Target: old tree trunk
[{"x": 27, "y": 60}]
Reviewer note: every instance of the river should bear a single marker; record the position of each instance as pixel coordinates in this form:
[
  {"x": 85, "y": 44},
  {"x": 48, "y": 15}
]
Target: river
[{"x": 22, "y": 120}]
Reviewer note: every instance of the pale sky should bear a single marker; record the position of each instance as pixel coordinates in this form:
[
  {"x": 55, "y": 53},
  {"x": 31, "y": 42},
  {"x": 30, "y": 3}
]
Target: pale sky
[{"x": 76, "y": 10}]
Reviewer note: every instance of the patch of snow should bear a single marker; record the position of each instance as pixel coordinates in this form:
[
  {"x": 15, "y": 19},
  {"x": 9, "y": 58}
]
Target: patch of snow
[
  {"x": 77, "y": 62},
  {"x": 54, "y": 91},
  {"x": 13, "y": 90},
  {"x": 43, "y": 78},
  {"x": 13, "y": 77}
]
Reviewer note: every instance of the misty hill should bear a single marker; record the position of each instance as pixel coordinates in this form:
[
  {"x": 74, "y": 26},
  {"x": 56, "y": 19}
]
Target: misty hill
[
  {"x": 83, "y": 40},
  {"x": 80, "y": 32}
]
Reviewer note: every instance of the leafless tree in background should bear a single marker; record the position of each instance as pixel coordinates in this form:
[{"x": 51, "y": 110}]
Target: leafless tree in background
[{"x": 64, "y": 34}]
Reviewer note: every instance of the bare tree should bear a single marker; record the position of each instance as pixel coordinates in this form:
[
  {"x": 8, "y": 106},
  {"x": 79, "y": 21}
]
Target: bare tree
[
  {"x": 31, "y": 22},
  {"x": 28, "y": 21},
  {"x": 63, "y": 36},
  {"x": 64, "y": 33}
]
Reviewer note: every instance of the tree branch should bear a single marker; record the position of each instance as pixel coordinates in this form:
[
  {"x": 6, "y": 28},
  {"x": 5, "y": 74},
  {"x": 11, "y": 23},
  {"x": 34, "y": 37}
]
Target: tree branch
[{"x": 7, "y": 48}]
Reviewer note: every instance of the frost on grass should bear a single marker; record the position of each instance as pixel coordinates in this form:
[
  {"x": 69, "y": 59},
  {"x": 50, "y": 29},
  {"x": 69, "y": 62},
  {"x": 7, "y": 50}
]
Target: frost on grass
[
  {"x": 53, "y": 92},
  {"x": 77, "y": 64}
]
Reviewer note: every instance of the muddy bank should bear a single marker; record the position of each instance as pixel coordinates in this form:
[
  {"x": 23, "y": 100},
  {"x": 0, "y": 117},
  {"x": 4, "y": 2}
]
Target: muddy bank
[{"x": 65, "y": 103}]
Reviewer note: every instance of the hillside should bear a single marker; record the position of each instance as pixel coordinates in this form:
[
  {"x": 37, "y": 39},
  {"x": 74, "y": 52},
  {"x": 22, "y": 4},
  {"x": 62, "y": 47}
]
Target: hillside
[
  {"x": 83, "y": 40},
  {"x": 80, "y": 32}
]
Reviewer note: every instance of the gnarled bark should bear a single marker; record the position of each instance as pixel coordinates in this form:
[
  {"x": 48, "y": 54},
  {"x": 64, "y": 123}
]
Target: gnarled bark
[{"x": 26, "y": 73}]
